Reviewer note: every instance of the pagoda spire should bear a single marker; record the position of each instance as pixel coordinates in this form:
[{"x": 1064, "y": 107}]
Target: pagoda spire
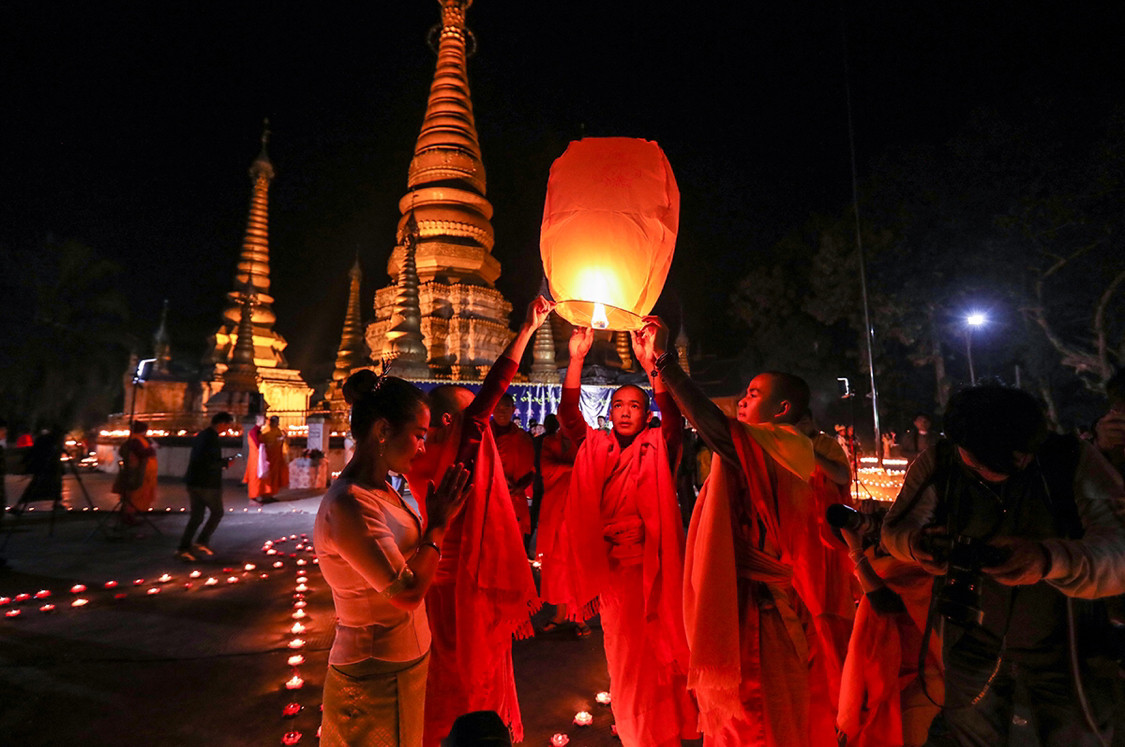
[
  {"x": 352, "y": 352},
  {"x": 240, "y": 395},
  {"x": 544, "y": 370},
  {"x": 446, "y": 179},
  {"x": 254, "y": 272},
  {"x": 405, "y": 347},
  {"x": 161, "y": 344}
]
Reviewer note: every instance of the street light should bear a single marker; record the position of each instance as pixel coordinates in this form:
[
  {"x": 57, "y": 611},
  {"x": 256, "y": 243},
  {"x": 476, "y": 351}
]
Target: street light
[{"x": 975, "y": 319}]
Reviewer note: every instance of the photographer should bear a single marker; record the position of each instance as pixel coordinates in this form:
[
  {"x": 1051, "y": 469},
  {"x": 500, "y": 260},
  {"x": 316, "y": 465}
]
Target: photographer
[{"x": 1016, "y": 523}]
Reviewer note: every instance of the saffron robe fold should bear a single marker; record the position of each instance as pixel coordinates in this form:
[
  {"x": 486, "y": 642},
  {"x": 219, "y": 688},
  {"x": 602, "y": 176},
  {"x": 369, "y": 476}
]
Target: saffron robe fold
[
  {"x": 749, "y": 665},
  {"x": 622, "y": 549},
  {"x": 483, "y": 593},
  {"x": 882, "y": 699},
  {"x": 517, "y": 454},
  {"x": 139, "y": 454}
]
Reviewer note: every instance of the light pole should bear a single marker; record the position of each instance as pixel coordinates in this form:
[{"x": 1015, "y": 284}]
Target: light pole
[{"x": 975, "y": 319}]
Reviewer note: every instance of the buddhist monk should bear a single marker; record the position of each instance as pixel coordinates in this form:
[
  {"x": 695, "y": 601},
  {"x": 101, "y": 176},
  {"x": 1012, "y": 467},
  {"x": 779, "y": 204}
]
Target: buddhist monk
[
  {"x": 517, "y": 454},
  {"x": 483, "y": 593},
  {"x": 255, "y": 463},
  {"x": 136, "y": 481},
  {"x": 885, "y": 700},
  {"x": 747, "y": 626},
  {"x": 275, "y": 476},
  {"x": 832, "y": 598},
  {"x": 556, "y": 462},
  {"x": 623, "y": 541}
]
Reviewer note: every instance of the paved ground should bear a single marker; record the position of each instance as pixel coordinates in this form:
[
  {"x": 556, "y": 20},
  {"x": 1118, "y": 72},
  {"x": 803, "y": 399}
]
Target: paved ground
[{"x": 203, "y": 664}]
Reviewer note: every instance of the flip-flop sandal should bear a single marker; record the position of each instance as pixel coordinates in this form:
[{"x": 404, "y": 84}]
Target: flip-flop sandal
[
  {"x": 550, "y": 627},
  {"x": 582, "y": 630}
]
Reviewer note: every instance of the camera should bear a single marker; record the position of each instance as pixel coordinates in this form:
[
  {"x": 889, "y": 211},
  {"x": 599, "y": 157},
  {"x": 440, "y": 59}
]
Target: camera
[
  {"x": 866, "y": 525},
  {"x": 959, "y": 600}
]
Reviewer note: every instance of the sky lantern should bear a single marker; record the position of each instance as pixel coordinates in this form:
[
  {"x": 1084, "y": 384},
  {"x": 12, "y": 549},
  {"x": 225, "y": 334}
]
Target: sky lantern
[{"x": 609, "y": 231}]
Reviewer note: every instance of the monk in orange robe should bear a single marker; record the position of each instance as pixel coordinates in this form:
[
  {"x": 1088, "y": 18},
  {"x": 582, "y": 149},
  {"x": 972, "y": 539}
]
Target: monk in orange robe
[
  {"x": 136, "y": 481},
  {"x": 623, "y": 545},
  {"x": 885, "y": 701},
  {"x": 832, "y": 594},
  {"x": 750, "y": 633},
  {"x": 254, "y": 462},
  {"x": 517, "y": 454},
  {"x": 483, "y": 594},
  {"x": 275, "y": 476},
  {"x": 556, "y": 461}
]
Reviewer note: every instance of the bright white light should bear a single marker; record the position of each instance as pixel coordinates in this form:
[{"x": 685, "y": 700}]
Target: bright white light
[{"x": 976, "y": 319}]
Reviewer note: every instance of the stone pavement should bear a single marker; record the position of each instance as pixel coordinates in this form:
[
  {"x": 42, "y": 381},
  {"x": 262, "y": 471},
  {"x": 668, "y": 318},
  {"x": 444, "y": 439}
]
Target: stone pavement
[{"x": 181, "y": 662}]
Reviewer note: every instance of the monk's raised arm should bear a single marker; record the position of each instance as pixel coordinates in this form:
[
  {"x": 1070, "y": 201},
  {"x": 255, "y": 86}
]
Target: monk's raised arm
[{"x": 712, "y": 424}]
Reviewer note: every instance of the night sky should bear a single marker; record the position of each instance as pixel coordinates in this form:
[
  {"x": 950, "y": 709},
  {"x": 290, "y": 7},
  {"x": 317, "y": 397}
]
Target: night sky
[{"x": 131, "y": 126}]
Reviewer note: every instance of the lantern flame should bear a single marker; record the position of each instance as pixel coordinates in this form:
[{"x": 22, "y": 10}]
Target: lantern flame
[{"x": 599, "y": 319}]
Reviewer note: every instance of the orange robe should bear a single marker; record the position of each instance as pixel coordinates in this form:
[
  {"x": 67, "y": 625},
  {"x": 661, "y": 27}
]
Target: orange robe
[
  {"x": 556, "y": 460},
  {"x": 882, "y": 700},
  {"x": 747, "y": 626},
  {"x": 276, "y": 474},
  {"x": 139, "y": 455},
  {"x": 483, "y": 594},
  {"x": 517, "y": 454},
  {"x": 823, "y": 577},
  {"x": 623, "y": 550},
  {"x": 253, "y": 462}
]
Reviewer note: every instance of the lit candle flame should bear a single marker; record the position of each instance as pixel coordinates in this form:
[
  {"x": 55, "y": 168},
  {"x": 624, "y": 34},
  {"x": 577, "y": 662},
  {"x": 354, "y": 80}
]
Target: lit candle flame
[
  {"x": 80, "y": 602},
  {"x": 195, "y": 574},
  {"x": 77, "y": 588},
  {"x": 249, "y": 567},
  {"x": 583, "y": 718},
  {"x": 599, "y": 319},
  {"x": 164, "y": 579},
  {"x": 302, "y": 587},
  {"x": 297, "y": 628},
  {"x": 560, "y": 740},
  {"x": 296, "y": 661},
  {"x": 294, "y": 683},
  {"x": 211, "y": 581},
  {"x": 299, "y": 614},
  {"x": 602, "y": 697},
  {"x": 294, "y": 644}
]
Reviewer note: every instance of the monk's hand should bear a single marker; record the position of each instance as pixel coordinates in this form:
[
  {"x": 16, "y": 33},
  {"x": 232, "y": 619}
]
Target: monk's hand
[
  {"x": 580, "y": 341},
  {"x": 920, "y": 542},
  {"x": 445, "y": 501},
  {"x": 1027, "y": 561},
  {"x": 538, "y": 311}
]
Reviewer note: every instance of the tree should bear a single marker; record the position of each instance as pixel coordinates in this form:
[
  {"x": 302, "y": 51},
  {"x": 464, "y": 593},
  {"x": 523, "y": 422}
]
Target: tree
[{"x": 63, "y": 339}]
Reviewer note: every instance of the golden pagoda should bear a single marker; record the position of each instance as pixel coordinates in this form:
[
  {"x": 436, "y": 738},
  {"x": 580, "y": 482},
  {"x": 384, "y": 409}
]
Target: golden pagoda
[
  {"x": 286, "y": 393},
  {"x": 352, "y": 354},
  {"x": 464, "y": 319}
]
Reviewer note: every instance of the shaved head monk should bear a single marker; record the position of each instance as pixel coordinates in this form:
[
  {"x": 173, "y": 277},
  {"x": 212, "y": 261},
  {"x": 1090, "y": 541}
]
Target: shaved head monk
[
  {"x": 750, "y": 632},
  {"x": 483, "y": 593},
  {"x": 621, "y": 553}
]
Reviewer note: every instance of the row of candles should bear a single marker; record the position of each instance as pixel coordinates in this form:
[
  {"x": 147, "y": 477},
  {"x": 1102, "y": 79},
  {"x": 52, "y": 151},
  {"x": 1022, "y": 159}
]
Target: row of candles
[{"x": 299, "y": 626}]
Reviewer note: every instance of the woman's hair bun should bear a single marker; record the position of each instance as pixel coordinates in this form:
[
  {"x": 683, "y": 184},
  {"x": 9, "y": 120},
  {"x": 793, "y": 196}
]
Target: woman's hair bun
[{"x": 359, "y": 384}]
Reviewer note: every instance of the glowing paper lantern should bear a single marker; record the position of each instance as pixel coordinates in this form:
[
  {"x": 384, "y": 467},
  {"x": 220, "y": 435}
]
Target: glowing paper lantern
[
  {"x": 294, "y": 683},
  {"x": 297, "y": 628},
  {"x": 583, "y": 718},
  {"x": 560, "y": 740},
  {"x": 609, "y": 230},
  {"x": 603, "y": 698},
  {"x": 296, "y": 643},
  {"x": 296, "y": 661}
]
